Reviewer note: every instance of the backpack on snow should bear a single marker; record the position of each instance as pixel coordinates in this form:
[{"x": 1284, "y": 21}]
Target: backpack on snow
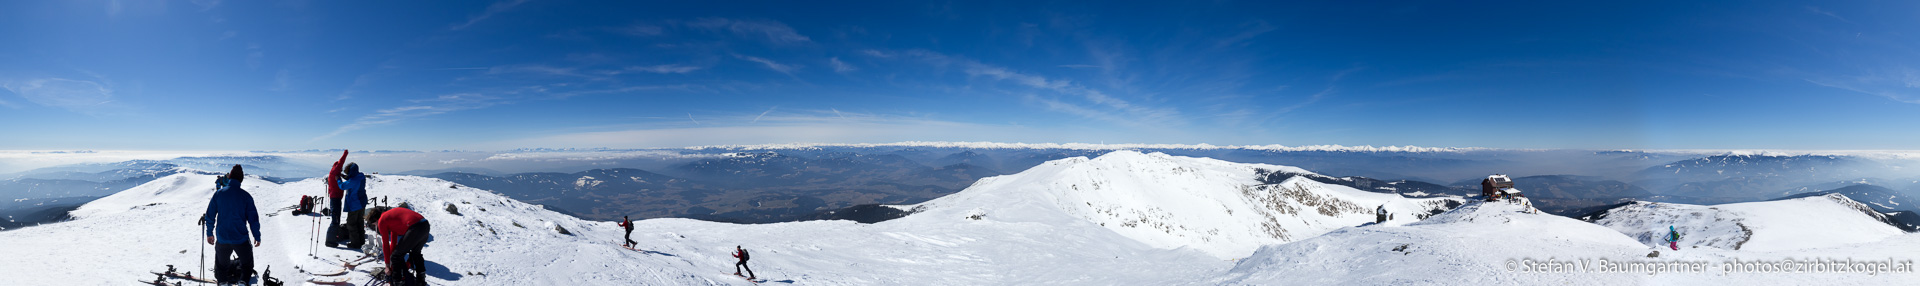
[{"x": 306, "y": 205}]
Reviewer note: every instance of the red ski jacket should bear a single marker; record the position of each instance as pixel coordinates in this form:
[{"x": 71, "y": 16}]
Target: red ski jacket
[
  {"x": 391, "y": 226},
  {"x": 333, "y": 177}
]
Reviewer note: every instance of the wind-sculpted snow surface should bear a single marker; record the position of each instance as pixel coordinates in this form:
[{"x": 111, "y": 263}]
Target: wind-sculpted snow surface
[
  {"x": 1168, "y": 201},
  {"x": 1802, "y": 223}
]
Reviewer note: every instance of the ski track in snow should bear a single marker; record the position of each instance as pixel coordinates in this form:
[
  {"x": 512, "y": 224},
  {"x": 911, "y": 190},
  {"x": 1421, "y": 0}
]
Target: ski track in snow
[{"x": 1125, "y": 218}]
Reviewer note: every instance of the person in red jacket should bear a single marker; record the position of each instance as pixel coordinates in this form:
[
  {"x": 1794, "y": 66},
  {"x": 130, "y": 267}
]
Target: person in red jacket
[
  {"x": 403, "y": 233},
  {"x": 334, "y": 236},
  {"x": 741, "y": 253},
  {"x": 628, "y": 223}
]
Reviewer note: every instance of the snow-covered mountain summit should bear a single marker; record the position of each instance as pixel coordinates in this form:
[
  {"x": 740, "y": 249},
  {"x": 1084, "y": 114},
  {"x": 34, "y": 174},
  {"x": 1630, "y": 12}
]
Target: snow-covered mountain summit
[
  {"x": 1221, "y": 208},
  {"x": 1801, "y": 223}
]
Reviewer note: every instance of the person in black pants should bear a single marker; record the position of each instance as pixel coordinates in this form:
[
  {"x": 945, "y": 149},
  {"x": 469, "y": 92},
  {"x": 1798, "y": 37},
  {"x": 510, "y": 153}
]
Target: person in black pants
[
  {"x": 742, "y": 254},
  {"x": 628, "y": 223},
  {"x": 230, "y": 218},
  {"x": 403, "y": 233}
]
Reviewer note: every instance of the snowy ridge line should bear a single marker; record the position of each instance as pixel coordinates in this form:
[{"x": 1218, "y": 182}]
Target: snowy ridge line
[{"x": 1094, "y": 146}]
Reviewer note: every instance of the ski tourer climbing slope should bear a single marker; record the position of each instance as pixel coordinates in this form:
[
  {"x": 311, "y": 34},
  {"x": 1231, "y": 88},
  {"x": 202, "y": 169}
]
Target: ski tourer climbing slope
[
  {"x": 403, "y": 233},
  {"x": 1673, "y": 238},
  {"x": 741, "y": 253},
  {"x": 230, "y": 215},
  {"x": 628, "y": 224}
]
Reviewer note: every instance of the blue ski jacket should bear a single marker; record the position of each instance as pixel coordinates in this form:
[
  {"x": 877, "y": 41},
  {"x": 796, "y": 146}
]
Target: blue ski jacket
[
  {"x": 355, "y": 185},
  {"x": 230, "y": 214}
]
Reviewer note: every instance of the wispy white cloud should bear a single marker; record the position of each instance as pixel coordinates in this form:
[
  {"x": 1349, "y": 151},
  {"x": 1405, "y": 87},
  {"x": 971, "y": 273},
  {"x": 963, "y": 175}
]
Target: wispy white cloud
[
  {"x": 772, "y": 65},
  {"x": 770, "y": 31},
  {"x": 877, "y": 53},
  {"x": 802, "y": 127},
  {"x": 1317, "y": 96},
  {"x": 495, "y": 8},
  {"x": 358, "y": 82},
  {"x": 420, "y": 108},
  {"x": 1253, "y": 29},
  {"x": 82, "y": 96},
  {"x": 664, "y": 69},
  {"x": 756, "y": 119},
  {"x": 114, "y": 8},
  {"x": 255, "y": 56},
  {"x": 641, "y": 30},
  {"x": 839, "y": 66},
  {"x": 1900, "y": 85},
  {"x": 535, "y": 69},
  {"x": 282, "y": 81},
  {"x": 1817, "y": 10},
  {"x": 1101, "y": 106},
  {"x": 206, "y": 4}
]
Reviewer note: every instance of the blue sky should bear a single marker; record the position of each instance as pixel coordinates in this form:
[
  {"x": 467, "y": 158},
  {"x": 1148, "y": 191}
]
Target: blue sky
[{"x": 280, "y": 75}]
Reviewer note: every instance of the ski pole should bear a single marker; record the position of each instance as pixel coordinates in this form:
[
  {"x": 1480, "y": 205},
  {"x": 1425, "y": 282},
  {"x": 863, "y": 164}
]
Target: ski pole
[{"x": 203, "y": 254}]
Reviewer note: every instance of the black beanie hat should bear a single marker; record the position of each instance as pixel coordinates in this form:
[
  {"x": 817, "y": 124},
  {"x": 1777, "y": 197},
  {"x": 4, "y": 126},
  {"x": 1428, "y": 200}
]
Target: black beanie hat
[{"x": 236, "y": 173}]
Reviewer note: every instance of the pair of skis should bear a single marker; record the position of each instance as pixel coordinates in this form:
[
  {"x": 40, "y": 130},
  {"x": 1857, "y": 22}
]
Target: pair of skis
[
  {"x": 160, "y": 278},
  {"x": 347, "y": 266},
  {"x": 762, "y": 280}
]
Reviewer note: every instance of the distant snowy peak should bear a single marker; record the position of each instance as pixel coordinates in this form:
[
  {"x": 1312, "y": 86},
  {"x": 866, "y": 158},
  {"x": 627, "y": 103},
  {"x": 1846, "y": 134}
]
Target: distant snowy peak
[
  {"x": 1218, "y": 207},
  {"x": 1809, "y": 222}
]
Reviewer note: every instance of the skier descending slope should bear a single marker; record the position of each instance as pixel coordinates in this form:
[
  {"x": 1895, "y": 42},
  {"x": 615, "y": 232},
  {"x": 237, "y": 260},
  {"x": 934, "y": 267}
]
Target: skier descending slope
[
  {"x": 354, "y": 185},
  {"x": 230, "y": 214},
  {"x": 1673, "y": 238},
  {"x": 334, "y": 235},
  {"x": 403, "y": 233},
  {"x": 741, "y": 253}
]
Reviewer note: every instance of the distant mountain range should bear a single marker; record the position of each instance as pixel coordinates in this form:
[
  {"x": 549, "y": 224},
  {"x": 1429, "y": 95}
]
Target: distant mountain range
[
  {"x": 753, "y": 187},
  {"x": 787, "y": 183}
]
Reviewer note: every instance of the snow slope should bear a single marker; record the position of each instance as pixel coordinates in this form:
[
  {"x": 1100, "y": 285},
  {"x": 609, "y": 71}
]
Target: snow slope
[
  {"x": 1492, "y": 243},
  {"x": 119, "y": 238},
  {"x": 1170, "y": 201},
  {"x": 1464, "y": 246},
  {"x": 1810, "y": 222},
  {"x": 1065, "y": 222},
  {"x": 124, "y": 236}
]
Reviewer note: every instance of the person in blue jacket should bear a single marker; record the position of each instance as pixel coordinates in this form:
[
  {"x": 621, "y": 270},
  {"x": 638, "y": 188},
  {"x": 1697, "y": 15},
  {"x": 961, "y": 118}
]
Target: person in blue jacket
[
  {"x": 355, "y": 201},
  {"x": 230, "y": 217}
]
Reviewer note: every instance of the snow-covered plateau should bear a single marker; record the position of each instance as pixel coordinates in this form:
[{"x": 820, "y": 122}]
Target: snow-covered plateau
[{"x": 1124, "y": 218}]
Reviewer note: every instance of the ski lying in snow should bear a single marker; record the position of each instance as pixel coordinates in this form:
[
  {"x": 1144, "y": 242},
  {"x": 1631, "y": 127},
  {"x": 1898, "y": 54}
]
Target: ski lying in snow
[
  {"x": 356, "y": 262},
  {"x": 342, "y": 271},
  {"x": 183, "y": 277},
  {"x": 171, "y": 273},
  {"x": 328, "y": 281},
  {"x": 157, "y": 283}
]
